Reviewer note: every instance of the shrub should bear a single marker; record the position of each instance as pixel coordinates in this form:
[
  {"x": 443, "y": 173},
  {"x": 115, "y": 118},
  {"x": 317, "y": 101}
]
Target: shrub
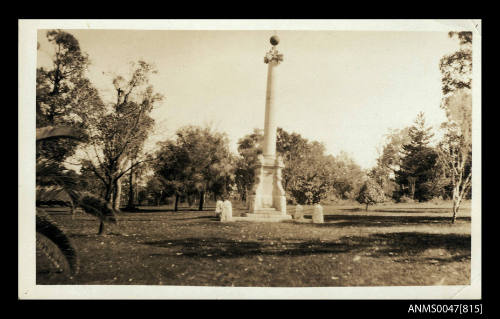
[
  {"x": 437, "y": 200},
  {"x": 370, "y": 193},
  {"x": 405, "y": 199}
]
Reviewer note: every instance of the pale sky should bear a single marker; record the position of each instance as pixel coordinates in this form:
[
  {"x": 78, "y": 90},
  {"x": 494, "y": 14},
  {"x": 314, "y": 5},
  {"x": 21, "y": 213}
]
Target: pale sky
[{"x": 342, "y": 88}]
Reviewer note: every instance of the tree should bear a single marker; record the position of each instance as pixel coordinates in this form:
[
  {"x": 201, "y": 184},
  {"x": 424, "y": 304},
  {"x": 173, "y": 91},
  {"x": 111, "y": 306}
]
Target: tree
[
  {"x": 456, "y": 68},
  {"x": 134, "y": 175},
  {"x": 418, "y": 164},
  {"x": 313, "y": 178},
  {"x": 249, "y": 148},
  {"x": 170, "y": 171},
  {"x": 389, "y": 160},
  {"x": 198, "y": 161},
  {"x": 347, "y": 176},
  {"x": 154, "y": 190},
  {"x": 455, "y": 150},
  {"x": 293, "y": 149},
  {"x": 63, "y": 94},
  {"x": 57, "y": 86},
  {"x": 370, "y": 193},
  {"x": 117, "y": 135}
]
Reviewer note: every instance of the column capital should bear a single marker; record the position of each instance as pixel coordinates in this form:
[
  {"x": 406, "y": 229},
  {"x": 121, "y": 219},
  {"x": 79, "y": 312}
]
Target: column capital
[{"x": 273, "y": 56}]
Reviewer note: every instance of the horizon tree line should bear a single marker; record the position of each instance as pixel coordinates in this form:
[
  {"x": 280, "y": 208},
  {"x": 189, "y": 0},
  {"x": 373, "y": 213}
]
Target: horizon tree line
[{"x": 197, "y": 163}]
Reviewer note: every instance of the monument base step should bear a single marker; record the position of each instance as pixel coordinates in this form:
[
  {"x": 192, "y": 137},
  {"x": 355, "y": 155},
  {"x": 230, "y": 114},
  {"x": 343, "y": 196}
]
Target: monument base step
[
  {"x": 263, "y": 217},
  {"x": 264, "y": 212}
]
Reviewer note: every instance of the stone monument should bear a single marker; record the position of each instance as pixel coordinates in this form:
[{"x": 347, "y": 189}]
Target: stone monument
[
  {"x": 227, "y": 211},
  {"x": 267, "y": 201},
  {"x": 317, "y": 216},
  {"x": 218, "y": 207},
  {"x": 299, "y": 213}
]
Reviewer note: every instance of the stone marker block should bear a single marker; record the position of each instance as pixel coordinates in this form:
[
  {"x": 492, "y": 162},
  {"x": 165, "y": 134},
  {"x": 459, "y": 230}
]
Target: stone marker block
[
  {"x": 227, "y": 211},
  {"x": 218, "y": 207},
  {"x": 299, "y": 212},
  {"x": 318, "y": 214}
]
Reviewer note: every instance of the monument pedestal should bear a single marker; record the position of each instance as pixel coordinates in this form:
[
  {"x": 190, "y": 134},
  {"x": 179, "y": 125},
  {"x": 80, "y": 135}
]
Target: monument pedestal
[{"x": 267, "y": 201}]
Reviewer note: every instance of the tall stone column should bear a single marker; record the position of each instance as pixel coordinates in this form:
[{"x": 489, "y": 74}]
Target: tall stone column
[
  {"x": 267, "y": 201},
  {"x": 269, "y": 147}
]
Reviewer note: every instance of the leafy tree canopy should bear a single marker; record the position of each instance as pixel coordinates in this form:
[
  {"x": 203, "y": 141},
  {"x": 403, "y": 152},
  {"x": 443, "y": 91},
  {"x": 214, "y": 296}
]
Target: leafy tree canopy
[
  {"x": 197, "y": 161},
  {"x": 370, "y": 193}
]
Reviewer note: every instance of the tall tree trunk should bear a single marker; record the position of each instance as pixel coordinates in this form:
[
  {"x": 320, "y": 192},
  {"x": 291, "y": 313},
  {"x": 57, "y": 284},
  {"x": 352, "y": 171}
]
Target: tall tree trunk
[
  {"x": 457, "y": 198},
  {"x": 117, "y": 194},
  {"x": 176, "y": 205},
  {"x": 131, "y": 182},
  {"x": 412, "y": 181},
  {"x": 107, "y": 193},
  {"x": 455, "y": 210},
  {"x": 202, "y": 199},
  {"x": 366, "y": 207},
  {"x": 101, "y": 228}
]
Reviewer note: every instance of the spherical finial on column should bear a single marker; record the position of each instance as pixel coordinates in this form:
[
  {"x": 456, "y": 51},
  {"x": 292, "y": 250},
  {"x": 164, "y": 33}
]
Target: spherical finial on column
[{"x": 274, "y": 40}]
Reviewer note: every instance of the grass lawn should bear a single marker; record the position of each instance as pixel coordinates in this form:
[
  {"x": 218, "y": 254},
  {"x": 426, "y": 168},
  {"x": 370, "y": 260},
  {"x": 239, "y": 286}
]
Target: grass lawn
[{"x": 390, "y": 245}]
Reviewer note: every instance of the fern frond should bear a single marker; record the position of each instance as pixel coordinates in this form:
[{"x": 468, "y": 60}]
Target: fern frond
[
  {"x": 49, "y": 228},
  {"x": 50, "y": 132},
  {"x": 96, "y": 206}
]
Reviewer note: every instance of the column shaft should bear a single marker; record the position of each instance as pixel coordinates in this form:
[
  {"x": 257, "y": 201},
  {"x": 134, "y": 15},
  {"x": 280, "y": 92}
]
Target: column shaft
[{"x": 270, "y": 117}]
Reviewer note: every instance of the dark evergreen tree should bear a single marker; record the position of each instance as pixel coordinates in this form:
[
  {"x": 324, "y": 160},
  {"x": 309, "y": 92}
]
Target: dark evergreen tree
[{"x": 418, "y": 164}]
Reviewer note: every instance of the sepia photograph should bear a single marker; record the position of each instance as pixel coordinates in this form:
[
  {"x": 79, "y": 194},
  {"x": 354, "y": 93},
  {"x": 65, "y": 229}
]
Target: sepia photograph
[{"x": 210, "y": 158}]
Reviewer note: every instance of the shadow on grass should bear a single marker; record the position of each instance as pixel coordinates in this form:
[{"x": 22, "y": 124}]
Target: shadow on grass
[
  {"x": 209, "y": 217},
  {"x": 228, "y": 248},
  {"x": 413, "y": 245},
  {"x": 383, "y": 221},
  {"x": 410, "y": 210},
  {"x": 171, "y": 210}
]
